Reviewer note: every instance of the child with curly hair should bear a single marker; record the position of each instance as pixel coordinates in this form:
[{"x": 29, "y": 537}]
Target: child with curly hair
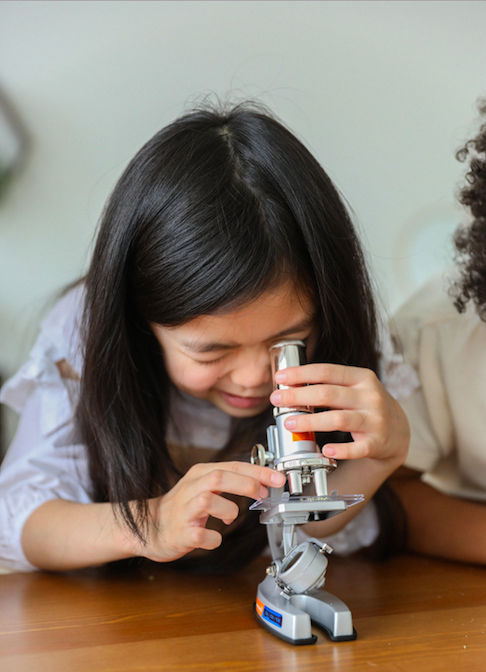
[{"x": 443, "y": 334}]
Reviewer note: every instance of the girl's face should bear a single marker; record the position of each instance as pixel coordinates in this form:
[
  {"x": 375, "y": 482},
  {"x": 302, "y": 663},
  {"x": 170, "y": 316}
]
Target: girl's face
[{"x": 225, "y": 358}]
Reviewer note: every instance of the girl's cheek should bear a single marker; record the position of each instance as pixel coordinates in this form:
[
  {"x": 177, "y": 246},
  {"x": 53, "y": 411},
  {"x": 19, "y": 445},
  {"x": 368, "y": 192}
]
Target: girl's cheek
[
  {"x": 199, "y": 382},
  {"x": 197, "y": 377}
]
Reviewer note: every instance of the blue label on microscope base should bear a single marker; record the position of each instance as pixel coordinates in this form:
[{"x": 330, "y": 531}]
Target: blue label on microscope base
[{"x": 272, "y": 617}]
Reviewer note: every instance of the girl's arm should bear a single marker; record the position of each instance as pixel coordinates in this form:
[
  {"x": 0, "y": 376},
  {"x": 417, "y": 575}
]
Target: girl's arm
[
  {"x": 358, "y": 404},
  {"x": 62, "y": 535},
  {"x": 439, "y": 524}
]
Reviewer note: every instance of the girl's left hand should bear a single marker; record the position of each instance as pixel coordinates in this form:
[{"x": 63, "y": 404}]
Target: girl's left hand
[{"x": 358, "y": 403}]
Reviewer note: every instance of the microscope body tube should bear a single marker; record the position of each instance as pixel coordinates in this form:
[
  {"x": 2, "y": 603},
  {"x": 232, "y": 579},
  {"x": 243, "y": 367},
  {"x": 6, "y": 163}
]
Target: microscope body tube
[
  {"x": 295, "y": 453},
  {"x": 284, "y": 443}
]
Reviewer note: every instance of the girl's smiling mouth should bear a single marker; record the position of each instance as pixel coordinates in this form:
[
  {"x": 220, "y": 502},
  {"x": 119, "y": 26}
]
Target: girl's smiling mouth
[{"x": 242, "y": 402}]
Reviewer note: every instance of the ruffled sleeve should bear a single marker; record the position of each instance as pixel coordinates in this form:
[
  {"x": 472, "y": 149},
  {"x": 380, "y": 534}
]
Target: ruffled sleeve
[
  {"x": 398, "y": 378},
  {"x": 46, "y": 459}
]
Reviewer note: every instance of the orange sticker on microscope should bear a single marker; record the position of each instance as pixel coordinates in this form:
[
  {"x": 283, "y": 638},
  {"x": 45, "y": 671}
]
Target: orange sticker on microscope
[
  {"x": 259, "y": 606},
  {"x": 303, "y": 436}
]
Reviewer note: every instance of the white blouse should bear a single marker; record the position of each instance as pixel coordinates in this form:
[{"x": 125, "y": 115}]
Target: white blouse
[
  {"x": 47, "y": 459},
  {"x": 446, "y": 414}
]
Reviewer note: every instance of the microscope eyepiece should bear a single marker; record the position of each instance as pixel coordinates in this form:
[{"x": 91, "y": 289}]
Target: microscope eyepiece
[{"x": 284, "y": 355}]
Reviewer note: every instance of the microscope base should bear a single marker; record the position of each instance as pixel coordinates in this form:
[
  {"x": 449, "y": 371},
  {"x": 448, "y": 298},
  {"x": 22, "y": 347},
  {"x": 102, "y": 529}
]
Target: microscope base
[{"x": 291, "y": 619}]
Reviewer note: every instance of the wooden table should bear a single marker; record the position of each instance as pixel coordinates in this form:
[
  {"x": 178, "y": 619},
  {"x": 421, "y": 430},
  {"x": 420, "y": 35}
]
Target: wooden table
[{"x": 411, "y": 613}]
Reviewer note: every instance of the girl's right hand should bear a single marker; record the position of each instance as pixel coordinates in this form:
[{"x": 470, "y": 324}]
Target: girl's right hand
[{"x": 177, "y": 520}]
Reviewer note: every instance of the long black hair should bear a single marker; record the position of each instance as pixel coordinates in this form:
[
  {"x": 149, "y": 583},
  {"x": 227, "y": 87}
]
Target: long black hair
[{"x": 218, "y": 207}]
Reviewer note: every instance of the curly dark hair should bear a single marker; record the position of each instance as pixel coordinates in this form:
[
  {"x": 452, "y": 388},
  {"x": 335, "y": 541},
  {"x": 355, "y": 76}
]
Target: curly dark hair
[{"x": 470, "y": 240}]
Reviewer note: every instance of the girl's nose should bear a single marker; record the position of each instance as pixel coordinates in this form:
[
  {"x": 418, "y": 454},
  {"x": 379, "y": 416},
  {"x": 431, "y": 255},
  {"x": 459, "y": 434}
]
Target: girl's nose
[{"x": 252, "y": 370}]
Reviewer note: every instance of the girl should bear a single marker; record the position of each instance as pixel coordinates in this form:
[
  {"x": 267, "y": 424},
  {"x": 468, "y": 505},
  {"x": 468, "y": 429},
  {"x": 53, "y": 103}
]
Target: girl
[
  {"x": 443, "y": 489},
  {"x": 150, "y": 381}
]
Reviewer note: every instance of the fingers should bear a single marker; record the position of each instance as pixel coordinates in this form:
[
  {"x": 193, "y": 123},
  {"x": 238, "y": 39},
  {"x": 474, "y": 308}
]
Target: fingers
[
  {"x": 330, "y": 386},
  {"x": 331, "y": 374},
  {"x": 206, "y": 539},
  {"x": 207, "y": 504},
  {"x": 200, "y": 537},
  {"x": 180, "y": 516},
  {"x": 237, "y": 478},
  {"x": 330, "y": 421},
  {"x": 358, "y": 404},
  {"x": 185, "y": 509},
  {"x": 323, "y": 396},
  {"x": 348, "y": 451}
]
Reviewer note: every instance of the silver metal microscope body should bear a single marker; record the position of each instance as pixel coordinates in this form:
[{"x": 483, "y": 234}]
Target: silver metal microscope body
[
  {"x": 295, "y": 454},
  {"x": 290, "y": 597}
]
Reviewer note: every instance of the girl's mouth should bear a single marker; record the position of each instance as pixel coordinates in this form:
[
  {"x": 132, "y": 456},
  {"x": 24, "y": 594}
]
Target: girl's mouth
[{"x": 242, "y": 402}]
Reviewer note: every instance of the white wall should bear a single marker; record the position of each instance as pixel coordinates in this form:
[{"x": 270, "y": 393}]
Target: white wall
[{"x": 382, "y": 92}]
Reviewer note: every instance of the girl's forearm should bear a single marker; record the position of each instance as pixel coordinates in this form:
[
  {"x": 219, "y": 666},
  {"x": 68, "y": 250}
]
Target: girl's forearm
[
  {"x": 353, "y": 477},
  {"x": 441, "y": 525},
  {"x": 61, "y": 535}
]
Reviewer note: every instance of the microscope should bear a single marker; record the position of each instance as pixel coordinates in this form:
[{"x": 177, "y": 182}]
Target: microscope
[{"x": 291, "y": 598}]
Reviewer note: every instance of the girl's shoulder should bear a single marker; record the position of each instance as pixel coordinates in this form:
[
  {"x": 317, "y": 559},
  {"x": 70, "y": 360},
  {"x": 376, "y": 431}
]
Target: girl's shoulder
[
  {"x": 430, "y": 315},
  {"x": 61, "y": 329},
  {"x": 431, "y": 303},
  {"x": 58, "y": 347}
]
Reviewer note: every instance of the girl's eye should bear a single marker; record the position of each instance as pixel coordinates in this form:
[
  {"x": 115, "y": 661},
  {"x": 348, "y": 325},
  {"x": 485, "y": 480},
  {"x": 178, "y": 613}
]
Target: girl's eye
[{"x": 208, "y": 363}]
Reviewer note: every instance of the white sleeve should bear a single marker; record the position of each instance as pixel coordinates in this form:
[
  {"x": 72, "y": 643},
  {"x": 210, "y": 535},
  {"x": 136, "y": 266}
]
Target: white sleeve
[
  {"x": 398, "y": 378},
  {"x": 361, "y": 532},
  {"x": 46, "y": 459}
]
